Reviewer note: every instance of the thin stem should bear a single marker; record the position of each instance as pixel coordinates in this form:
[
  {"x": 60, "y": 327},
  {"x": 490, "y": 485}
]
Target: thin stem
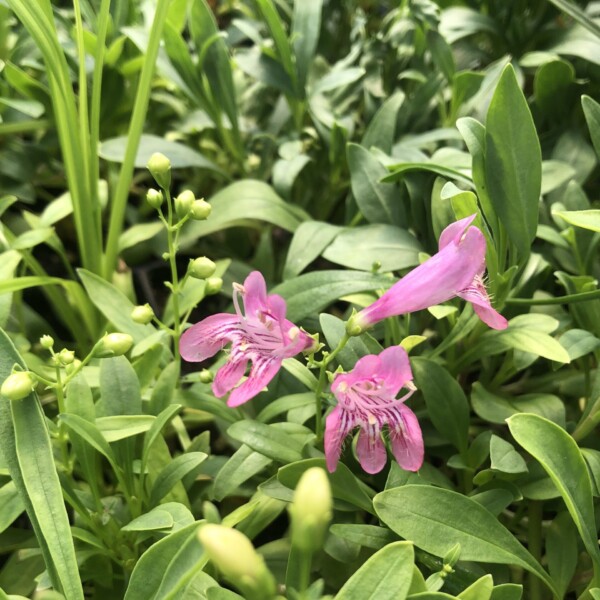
[
  {"x": 172, "y": 250},
  {"x": 62, "y": 434}
]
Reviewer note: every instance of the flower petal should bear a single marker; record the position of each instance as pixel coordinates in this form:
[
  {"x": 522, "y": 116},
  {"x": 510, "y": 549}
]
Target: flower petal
[
  {"x": 338, "y": 425},
  {"x": 454, "y": 231},
  {"x": 407, "y": 439},
  {"x": 262, "y": 371},
  {"x": 394, "y": 369},
  {"x": 477, "y": 295},
  {"x": 370, "y": 449},
  {"x": 207, "y": 337},
  {"x": 255, "y": 295},
  {"x": 228, "y": 376}
]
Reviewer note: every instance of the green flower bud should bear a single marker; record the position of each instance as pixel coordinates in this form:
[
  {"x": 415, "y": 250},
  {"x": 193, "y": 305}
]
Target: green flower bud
[
  {"x": 184, "y": 202},
  {"x": 66, "y": 357},
  {"x": 200, "y": 210},
  {"x": 354, "y": 326},
  {"x": 233, "y": 554},
  {"x": 160, "y": 168},
  {"x": 47, "y": 341},
  {"x": 310, "y": 511},
  {"x": 213, "y": 286},
  {"x": 74, "y": 366},
  {"x": 142, "y": 314},
  {"x": 201, "y": 268},
  {"x": 205, "y": 376},
  {"x": 115, "y": 344},
  {"x": 154, "y": 198},
  {"x": 17, "y": 386}
]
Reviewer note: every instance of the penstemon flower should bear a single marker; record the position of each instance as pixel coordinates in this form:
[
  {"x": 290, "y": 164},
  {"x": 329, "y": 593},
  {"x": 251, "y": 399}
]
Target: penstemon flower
[
  {"x": 456, "y": 270},
  {"x": 367, "y": 399},
  {"x": 261, "y": 336}
]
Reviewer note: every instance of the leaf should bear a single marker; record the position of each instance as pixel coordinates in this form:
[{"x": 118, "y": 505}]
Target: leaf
[
  {"x": 119, "y": 427},
  {"x": 138, "y": 233},
  {"x": 446, "y": 402},
  {"x": 27, "y": 451},
  {"x": 360, "y": 247},
  {"x": 90, "y": 434},
  {"x": 378, "y": 202},
  {"x": 504, "y": 458},
  {"x": 306, "y": 24},
  {"x": 11, "y": 505},
  {"x": 369, "y": 536},
  {"x": 312, "y": 292},
  {"x": 381, "y": 131},
  {"x": 561, "y": 551},
  {"x": 179, "y": 155},
  {"x": 579, "y": 15},
  {"x": 174, "y": 472},
  {"x": 436, "y": 519},
  {"x": 513, "y": 162},
  {"x": 310, "y": 239},
  {"x": 561, "y": 458},
  {"x": 384, "y": 576},
  {"x": 114, "y": 305},
  {"x": 591, "y": 110},
  {"x": 171, "y": 515},
  {"x": 119, "y": 388},
  {"x": 586, "y": 219},
  {"x": 284, "y": 404},
  {"x": 241, "y": 204}
]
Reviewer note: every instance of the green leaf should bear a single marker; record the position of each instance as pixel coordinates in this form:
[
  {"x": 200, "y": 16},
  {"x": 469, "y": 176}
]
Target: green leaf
[
  {"x": 119, "y": 388},
  {"x": 306, "y": 24},
  {"x": 579, "y": 15},
  {"x": 479, "y": 590},
  {"x": 507, "y": 591},
  {"x": 312, "y": 292},
  {"x": 90, "y": 434},
  {"x": 138, "y": 233},
  {"x": 378, "y": 202},
  {"x": 310, "y": 239},
  {"x": 381, "y": 131},
  {"x": 114, "y": 305},
  {"x": 369, "y": 536},
  {"x": 11, "y": 505},
  {"x": 435, "y": 520},
  {"x": 360, "y": 247},
  {"x": 119, "y": 427},
  {"x": 561, "y": 458},
  {"x": 504, "y": 458},
  {"x": 27, "y": 450},
  {"x": 447, "y": 404},
  {"x": 174, "y": 472},
  {"x": 513, "y": 162},
  {"x": 242, "y": 204},
  {"x": 180, "y": 156},
  {"x": 561, "y": 551},
  {"x": 591, "y": 110},
  {"x": 171, "y": 515},
  {"x": 586, "y": 219},
  {"x": 285, "y": 404},
  {"x": 384, "y": 576}
]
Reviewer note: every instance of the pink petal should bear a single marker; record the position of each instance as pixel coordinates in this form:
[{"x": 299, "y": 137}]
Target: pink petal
[
  {"x": 407, "y": 440},
  {"x": 277, "y": 308},
  {"x": 454, "y": 231},
  {"x": 262, "y": 371},
  {"x": 435, "y": 281},
  {"x": 338, "y": 425},
  {"x": 370, "y": 450},
  {"x": 395, "y": 368},
  {"x": 228, "y": 376},
  {"x": 255, "y": 294},
  {"x": 477, "y": 295},
  {"x": 206, "y": 338},
  {"x": 365, "y": 368}
]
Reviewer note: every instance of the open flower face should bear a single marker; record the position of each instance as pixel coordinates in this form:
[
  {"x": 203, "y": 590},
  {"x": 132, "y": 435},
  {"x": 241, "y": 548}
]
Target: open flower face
[
  {"x": 456, "y": 270},
  {"x": 261, "y": 336},
  {"x": 367, "y": 399}
]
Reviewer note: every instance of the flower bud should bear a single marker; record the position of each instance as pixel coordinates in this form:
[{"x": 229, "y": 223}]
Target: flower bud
[
  {"x": 213, "y": 286},
  {"x": 310, "y": 511},
  {"x": 354, "y": 326},
  {"x": 74, "y": 366},
  {"x": 201, "y": 268},
  {"x": 47, "y": 341},
  {"x": 17, "y": 386},
  {"x": 205, "y": 376},
  {"x": 184, "y": 202},
  {"x": 160, "y": 168},
  {"x": 142, "y": 314},
  {"x": 66, "y": 357},
  {"x": 200, "y": 210},
  {"x": 115, "y": 344},
  {"x": 233, "y": 554},
  {"x": 154, "y": 198}
]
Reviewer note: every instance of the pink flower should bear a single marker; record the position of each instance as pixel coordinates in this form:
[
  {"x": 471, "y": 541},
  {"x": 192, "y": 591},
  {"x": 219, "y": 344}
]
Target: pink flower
[
  {"x": 456, "y": 270},
  {"x": 262, "y": 336},
  {"x": 367, "y": 399}
]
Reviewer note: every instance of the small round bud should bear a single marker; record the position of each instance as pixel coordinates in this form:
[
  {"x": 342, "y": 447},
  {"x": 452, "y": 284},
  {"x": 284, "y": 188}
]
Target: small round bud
[
  {"x": 142, "y": 314},
  {"x": 184, "y": 202},
  {"x": 205, "y": 376},
  {"x": 66, "y": 357},
  {"x": 311, "y": 510},
  {"x": 17, "y": 386},
  {"x": 245, "y": 568},
  {"x": 115, "y": 344},
  {"x": 213, "y": 286},
  {"x": 201, "y": 268},
  {"x": 154, "y": 198},
  {"x": 74, "y": 366},
  {"x": 160, "y": 168},
  {"x": 47, "y": 341},
  {"x": 200, "y": 210}
]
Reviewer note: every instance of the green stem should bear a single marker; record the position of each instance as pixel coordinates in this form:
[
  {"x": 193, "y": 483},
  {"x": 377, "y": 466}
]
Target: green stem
[
  {"x": 172, "y": 250},
  {"x": 62, "y": 434},
  {"x": 23, "y": 127},
  {"x": 297, "y": 575},
  {"x": 138, "y": 117},
  {"x": 534, "y": 537}
]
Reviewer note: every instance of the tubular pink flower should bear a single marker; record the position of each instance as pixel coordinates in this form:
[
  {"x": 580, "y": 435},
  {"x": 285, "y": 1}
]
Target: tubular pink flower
[
  {"x": 367, "y": 399},
  {"x": 261, "y": 336},
  {"x": 456, "y": 270}
]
